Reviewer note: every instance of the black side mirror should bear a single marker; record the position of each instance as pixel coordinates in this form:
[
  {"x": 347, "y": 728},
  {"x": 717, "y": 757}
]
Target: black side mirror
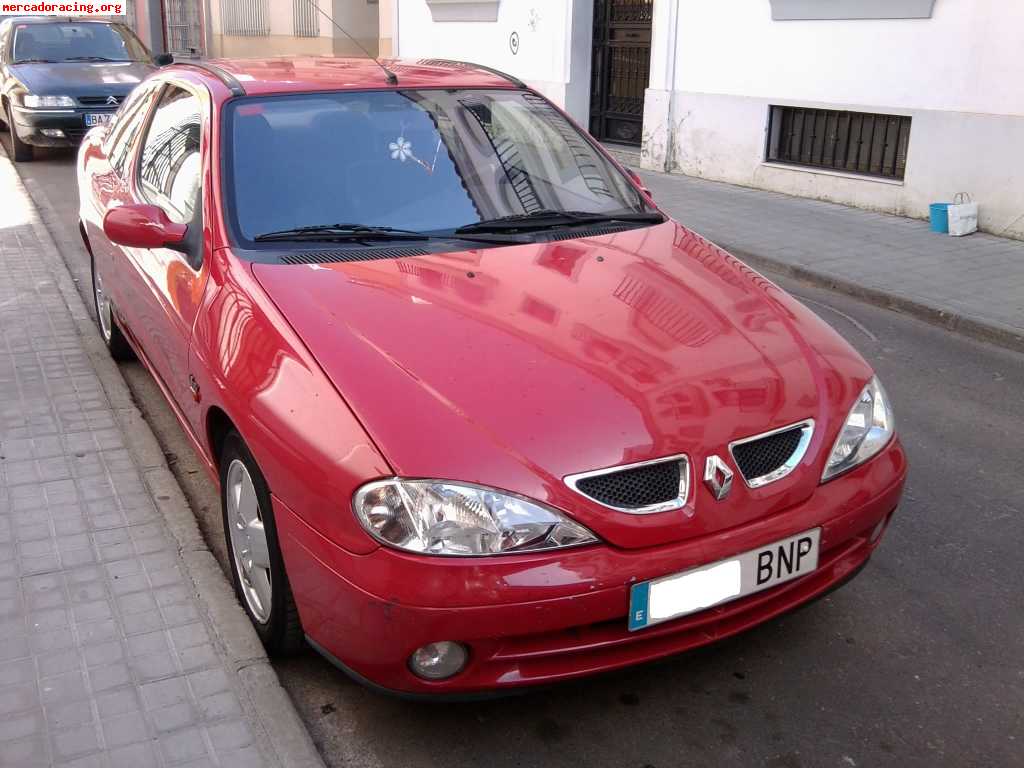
[{"x": 163, "y": 59}]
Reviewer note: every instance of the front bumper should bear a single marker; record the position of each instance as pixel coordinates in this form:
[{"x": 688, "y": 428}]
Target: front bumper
[
  {"x": 69, "y": 120},
  {"x": 534, "y": 620}
]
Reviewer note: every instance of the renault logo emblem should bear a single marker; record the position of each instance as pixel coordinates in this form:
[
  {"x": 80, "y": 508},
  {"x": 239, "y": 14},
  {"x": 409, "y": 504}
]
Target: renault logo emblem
[
  {"x": 717, "y": 477},
  {"x": 112, "y": 100}
]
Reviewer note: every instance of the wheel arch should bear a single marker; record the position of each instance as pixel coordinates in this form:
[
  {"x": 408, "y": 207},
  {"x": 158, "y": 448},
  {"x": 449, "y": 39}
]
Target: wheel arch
[
  {"x": 85, "y": 238},
  {"x": 218, "y": 426}
]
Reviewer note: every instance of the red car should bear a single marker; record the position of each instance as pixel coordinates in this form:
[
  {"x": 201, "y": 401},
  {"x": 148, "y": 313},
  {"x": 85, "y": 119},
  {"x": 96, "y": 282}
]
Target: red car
[{"x": 482, "y": 416}]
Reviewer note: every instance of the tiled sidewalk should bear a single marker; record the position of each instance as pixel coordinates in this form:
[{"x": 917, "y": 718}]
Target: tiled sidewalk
[
  {"x": 107, "y": 655},
  {"x": 976, "y": 280}
]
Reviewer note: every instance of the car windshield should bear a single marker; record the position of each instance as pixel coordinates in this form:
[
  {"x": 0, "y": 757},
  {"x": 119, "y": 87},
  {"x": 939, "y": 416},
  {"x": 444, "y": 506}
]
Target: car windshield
[
  {"x": 420, "y": 160},
  {"x": 62, "y": 42}
]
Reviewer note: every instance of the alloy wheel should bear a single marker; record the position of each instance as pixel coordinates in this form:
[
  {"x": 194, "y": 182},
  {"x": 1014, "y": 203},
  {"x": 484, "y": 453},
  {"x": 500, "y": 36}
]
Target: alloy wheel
[
  {"x": 103, "y": 309},
  {"x": 249, "y": 541}
]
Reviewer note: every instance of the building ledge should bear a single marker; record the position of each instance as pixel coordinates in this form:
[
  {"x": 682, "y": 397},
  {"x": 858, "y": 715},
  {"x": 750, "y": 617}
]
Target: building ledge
[
  {"x": 792, "y": 10},
  {"x": 829, "y": 172},
  {"x": 463, "y": 10}
]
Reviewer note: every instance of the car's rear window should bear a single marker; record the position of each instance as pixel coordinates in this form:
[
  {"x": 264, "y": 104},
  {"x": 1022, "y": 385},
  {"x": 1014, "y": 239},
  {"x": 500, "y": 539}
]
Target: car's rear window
[{"x": 428, "y": 160}]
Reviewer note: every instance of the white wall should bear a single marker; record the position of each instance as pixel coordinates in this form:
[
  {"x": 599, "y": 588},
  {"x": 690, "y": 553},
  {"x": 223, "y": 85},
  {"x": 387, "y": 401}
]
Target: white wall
[
  {"x": 551, "y": 57},
  {"x": 958, "y": 75},
  {"x": 968, "y": 57}
]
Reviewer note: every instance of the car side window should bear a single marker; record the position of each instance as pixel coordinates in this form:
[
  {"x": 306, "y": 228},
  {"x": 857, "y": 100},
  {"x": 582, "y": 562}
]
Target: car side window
[
  {"x": 5, "y": 41},
  {"x": 169, "y": 172},
  {"x": 124, "y": 130}
]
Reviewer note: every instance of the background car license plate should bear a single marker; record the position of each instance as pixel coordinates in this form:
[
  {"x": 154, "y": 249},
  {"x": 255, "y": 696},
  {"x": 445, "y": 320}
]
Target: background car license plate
[
  {"x": 97, "y": 118},
  {"x": 652, "y": 602}
]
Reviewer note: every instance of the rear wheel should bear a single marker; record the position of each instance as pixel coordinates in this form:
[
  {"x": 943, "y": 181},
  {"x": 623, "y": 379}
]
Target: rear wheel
[
  {"x": 117, "y": 344},
  {"x": 20, "y": 151},
  {"x": 257, "y": 568}
]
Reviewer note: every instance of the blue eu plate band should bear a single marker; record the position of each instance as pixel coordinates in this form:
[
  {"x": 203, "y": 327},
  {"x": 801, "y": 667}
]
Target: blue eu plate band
[{"x": 639, "y": 595}]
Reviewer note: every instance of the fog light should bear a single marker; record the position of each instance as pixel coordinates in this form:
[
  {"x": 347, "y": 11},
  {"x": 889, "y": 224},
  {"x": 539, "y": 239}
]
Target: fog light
[
  {"x": 438, "y": 661},
  {"x": 53, "y": 133}
]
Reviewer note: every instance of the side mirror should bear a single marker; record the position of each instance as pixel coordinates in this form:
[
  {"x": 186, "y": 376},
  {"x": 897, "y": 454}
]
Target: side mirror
[
  {"x": 163, "y": 59},
  {"x": 639, "y": 182},
  {"x": 143, "y": 226}
]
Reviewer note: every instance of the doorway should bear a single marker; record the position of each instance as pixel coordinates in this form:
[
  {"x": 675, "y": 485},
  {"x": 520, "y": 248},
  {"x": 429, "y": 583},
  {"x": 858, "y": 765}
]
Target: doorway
[
  {"x": 183, "y": 27},
  {"x": 621, "y": 69}
]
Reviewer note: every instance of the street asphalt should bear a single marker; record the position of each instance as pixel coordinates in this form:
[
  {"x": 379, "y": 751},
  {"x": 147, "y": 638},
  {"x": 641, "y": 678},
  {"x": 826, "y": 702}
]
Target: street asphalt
[{"x": 917, "y": 662}]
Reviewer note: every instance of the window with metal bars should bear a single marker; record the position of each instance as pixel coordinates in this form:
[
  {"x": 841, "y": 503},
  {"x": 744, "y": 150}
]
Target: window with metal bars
[
  {"x": 248, "y": 18},
  {"x": 306, "y": 18},
  {"x": 852, "y": 142}
]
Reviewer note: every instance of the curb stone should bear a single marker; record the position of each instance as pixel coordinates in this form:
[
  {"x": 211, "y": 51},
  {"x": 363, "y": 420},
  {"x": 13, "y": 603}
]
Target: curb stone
[
  {"x": 965, "y": 325},
  {"x": 270, "y": 709}
]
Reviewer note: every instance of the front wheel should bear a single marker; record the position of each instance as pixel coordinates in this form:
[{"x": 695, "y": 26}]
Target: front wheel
[
  {"x": 117, "y": 344},
  {"x": 21, "y": 152},
  {"x": 257, "y": 568}
]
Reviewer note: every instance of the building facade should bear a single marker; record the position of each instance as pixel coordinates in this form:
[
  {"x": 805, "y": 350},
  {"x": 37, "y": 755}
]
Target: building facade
[
  {"x": 888, "y": 105},
  {"x": 249, "y": 28},
  {"x": 255, "y": 28}
]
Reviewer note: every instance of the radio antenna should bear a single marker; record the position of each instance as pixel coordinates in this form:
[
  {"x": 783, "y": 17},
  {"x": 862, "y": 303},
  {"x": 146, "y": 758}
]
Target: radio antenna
[{"x": 392, "y": 77}]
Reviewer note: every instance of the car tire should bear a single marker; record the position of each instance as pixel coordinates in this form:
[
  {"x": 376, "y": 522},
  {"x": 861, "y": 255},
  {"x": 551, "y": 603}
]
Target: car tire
[
  {"x": 256, "y": 564},
  {"x": 117, "y": 345},
  {"x": 20, "y": 151}
]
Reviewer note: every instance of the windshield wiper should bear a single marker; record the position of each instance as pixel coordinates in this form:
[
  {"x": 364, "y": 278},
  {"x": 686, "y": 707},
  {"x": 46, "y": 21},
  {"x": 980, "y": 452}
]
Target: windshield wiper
[
  {"x": 92, "y": 58},
  {"x": 35, "y": 61},
  {"x": 549, "y": 219},
  {"x": 341, "y": 232}
]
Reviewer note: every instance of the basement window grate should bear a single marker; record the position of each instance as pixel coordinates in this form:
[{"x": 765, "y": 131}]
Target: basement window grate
[{"x": 851, "y": 142}]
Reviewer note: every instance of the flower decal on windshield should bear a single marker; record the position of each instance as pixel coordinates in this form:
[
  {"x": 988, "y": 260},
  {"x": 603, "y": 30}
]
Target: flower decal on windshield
[{"x": 401, "y": 149}]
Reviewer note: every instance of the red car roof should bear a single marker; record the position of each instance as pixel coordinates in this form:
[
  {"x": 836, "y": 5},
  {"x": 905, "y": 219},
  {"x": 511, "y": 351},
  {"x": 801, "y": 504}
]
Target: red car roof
[{"x": 329, "y": 73}]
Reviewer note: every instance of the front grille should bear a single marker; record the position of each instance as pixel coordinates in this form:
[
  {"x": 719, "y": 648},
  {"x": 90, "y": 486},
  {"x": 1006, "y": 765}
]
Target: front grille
[
  {"x": 761, "y": 457},
  {"x": 636, "y": 488},
  {"x": 99, "y": 101}
]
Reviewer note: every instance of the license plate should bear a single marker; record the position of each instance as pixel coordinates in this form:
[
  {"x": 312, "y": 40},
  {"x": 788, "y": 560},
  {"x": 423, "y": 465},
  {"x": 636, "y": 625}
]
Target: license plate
[
  {"x": 97, "y": 118},
  {"x": 652, "y": 602}
]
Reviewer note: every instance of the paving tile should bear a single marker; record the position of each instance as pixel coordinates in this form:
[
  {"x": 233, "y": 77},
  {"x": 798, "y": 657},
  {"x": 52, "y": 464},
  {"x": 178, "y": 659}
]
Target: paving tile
[
  {"x": 229, "y": 735},
  {"x": 133, "y": 756},
  {"x": 74, "y": 742},
  {"x": 72, "y": 714},
  {"x": 21, "y": 726},
  {"x": 127, "y": 728},
  {"x": 184, "y": 745}
]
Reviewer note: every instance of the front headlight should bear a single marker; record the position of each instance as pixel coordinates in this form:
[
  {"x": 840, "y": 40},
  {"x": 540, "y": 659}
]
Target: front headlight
[
  {"x": 32, "y": 101},
  {"x": 437, "y": 517},
  {"x": 867, "y": 430}
]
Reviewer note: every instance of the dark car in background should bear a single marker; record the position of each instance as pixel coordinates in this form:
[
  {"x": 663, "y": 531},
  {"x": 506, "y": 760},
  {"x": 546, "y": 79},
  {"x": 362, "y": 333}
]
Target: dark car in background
[{"x": 60, "y": 77}]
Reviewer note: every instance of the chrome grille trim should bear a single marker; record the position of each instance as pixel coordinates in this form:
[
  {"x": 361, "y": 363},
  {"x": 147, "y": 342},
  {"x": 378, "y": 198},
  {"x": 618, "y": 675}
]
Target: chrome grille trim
[
  {"x": 807, "y": 431},
  {"x": 677, "y": 503}
]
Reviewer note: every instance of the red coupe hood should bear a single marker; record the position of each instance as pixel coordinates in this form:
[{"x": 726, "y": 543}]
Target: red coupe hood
[{"x": 516, "y": 366}]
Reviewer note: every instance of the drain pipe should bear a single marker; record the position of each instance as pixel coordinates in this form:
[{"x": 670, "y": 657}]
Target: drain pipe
[{"x": 670, "y": 141}]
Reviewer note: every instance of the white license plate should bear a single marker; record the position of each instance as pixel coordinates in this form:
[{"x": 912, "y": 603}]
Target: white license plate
[
  {"x": 652, "y": 602},
  {"x": 97, "y": 118}
]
